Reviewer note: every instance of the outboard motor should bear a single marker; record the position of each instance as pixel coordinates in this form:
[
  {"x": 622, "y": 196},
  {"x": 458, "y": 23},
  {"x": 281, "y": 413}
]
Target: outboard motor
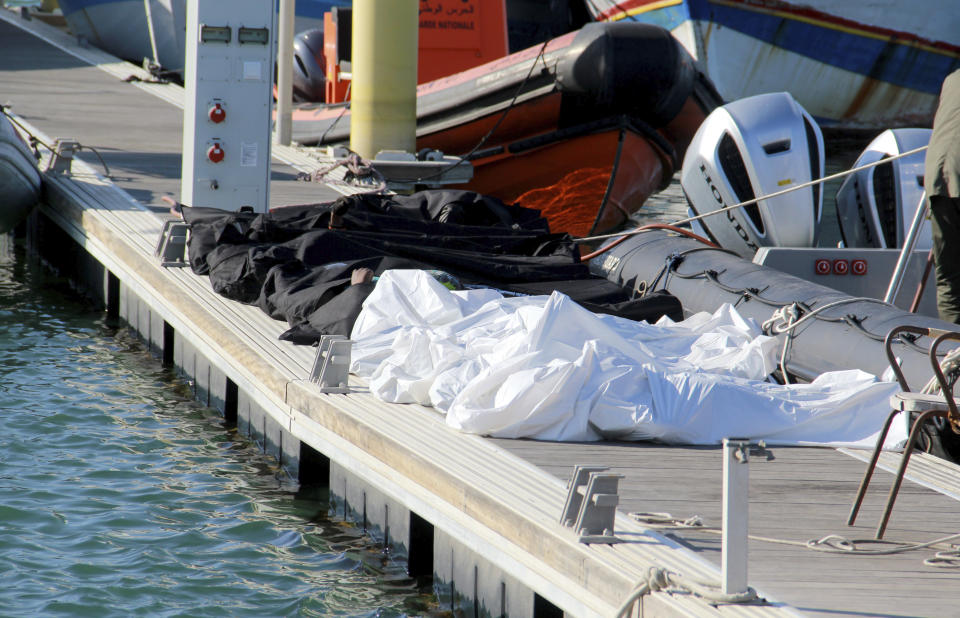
[
  {"x": 747, "y": 149},
  {"x": 876, "y": 206},
  {"x": 309, "y": 77}
]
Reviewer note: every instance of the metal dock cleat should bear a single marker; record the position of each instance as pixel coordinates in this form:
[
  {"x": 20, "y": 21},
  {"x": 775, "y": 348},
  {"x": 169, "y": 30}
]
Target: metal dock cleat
[
  {"x": 172, "y": 244},
  {"x": 591, "y": 505},
  {"x": 331, "y": 367},
  {"x": 64, "y": 149}
]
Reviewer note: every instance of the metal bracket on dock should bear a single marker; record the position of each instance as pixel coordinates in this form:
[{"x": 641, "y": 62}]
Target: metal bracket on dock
[
  {"x": 332, "y": 364},
  {"x": 172, "y": 245},
  {"x": 404, "y": 171},
  {"x": 62, "y": 158},
  {"x": 591, "y": 506}
]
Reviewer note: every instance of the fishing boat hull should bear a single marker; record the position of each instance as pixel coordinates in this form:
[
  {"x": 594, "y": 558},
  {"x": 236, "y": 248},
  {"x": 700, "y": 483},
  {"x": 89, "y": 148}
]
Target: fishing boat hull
[
  {"x": 118, "y": 27},
  {"x": 851, "y": 64},
  {"x": 124, "y": 27},
  {"x": 20, "y": 180},
  {"x": 584, "y": 127}
]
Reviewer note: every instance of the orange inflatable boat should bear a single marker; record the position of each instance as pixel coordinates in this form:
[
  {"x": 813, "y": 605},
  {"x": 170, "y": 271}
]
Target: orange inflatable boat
[{"x": 584, "y": 127}]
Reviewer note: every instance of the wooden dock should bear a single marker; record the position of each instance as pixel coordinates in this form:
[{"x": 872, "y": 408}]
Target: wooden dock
[{"x": 489, "y": 506}]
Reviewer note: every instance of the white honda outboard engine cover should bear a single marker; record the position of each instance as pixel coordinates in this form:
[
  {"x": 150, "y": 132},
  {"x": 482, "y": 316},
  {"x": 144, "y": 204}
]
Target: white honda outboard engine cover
[
  {"x": 747, "y": 149},
  {"x": 876, "y": 206}
]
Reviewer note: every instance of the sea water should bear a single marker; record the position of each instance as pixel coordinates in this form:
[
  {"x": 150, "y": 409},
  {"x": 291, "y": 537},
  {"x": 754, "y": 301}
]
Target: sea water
[{"x": 120, "y": 496}]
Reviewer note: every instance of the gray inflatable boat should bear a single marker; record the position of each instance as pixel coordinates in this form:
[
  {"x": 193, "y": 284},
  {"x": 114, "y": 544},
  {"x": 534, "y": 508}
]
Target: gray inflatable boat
[{"x": 19, "y": 177}]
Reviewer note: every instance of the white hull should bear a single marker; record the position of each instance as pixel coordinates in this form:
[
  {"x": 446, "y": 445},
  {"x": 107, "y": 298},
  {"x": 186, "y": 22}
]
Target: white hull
[
  {"x": 122, "y": 28},
  {"x": 742, "y": 66},
  {"x": 870, "y": 63}
]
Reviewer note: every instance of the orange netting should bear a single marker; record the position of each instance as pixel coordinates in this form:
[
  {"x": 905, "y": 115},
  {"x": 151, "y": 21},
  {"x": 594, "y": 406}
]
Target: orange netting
[{"x": 570, "y": 204}]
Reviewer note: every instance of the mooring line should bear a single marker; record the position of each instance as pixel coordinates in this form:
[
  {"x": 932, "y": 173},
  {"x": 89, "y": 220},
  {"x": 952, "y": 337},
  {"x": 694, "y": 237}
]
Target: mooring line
[{"x": 804, "y": 185}]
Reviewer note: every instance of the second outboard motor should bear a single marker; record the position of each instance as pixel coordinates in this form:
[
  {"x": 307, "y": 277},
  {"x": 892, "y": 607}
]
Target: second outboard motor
[
  {"x": 747, "y": 149},
  {"x": 309, "y": 74},
  {"x": 876, "y": 206}
]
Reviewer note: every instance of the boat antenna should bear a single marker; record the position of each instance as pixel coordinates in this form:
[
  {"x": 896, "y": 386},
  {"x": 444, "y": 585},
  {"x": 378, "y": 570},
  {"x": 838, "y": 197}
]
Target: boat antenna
[{"x": 887, "y": 159}]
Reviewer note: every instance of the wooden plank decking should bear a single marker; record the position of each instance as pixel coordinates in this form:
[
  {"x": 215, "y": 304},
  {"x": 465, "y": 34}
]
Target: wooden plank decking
[
  {"x": 512, "y": 487},
  {"x": 803, "y": 494}
]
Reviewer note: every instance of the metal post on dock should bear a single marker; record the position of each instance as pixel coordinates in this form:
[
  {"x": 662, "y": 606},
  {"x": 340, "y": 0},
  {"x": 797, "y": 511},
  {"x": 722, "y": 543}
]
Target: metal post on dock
[
  {"x": 228, "y": 104},
  {"x": 736, "y": 515},
  {"x": 384, "y": 100},
  {"x": 148, "y": 11},
  {"x": 284, "y": 124}
]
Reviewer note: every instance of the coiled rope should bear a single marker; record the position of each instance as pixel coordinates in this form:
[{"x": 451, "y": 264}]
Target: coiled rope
[
  {"x": 831, "y": 543},
  {"x": 658, "y": 578},
  {"x": 788, "y": 318},
  {"x": 359, "y": 172}
]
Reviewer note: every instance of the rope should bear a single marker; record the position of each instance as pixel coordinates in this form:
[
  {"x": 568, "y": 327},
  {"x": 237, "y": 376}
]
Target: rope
[
  {"x": 944, "y": 560},
  {"x": 34, "y": 140},
  {"x": 950, "y": 366},
  {"x": 659, "y": 578},
  {"x": 358, "y": 169},
  {"x": 346, "y": 106},
  {"x": 605, "y": 201},
  {"x": 653, "y": 226},
  {"x": 589, "y": 239},
  {"x": 836, "y": 544},
  {"x": 948, "y": 558},
  {"x": 496, "y": 125},
  {"x": 319, "y": 174},
  {"x": 757, "y": 294},
  {"x": 788, "y": 318}
]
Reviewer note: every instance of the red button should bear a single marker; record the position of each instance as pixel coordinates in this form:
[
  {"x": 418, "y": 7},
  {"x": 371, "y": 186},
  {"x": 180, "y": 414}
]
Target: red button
[
  {"x": 215, "y": 153},
  {"x": 858, "y": 267},
  {"x": 821, "y": 267},
  {"x": 217, "y": 113},
  {"x": 841, "y": 267}
]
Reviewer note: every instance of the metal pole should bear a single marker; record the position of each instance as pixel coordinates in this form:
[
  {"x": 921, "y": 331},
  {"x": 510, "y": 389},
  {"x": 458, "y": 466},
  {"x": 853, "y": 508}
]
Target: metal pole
[
  {"x": 908, "y": 244},
  {"x": 148, "y": 12},
  {"x": 736, "y": 515},
  {"x": 284, "y": 124}
]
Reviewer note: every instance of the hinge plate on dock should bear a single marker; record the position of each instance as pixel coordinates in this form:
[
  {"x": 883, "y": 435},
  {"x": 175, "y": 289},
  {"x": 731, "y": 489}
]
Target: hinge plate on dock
[
  {"x": 172, "y": 245},
  {"x": 331, "y": 367},
  {"x": 591, "y": 506},
  {"x": 62, "y": 158},
  {"x": 404, "y": 171}
]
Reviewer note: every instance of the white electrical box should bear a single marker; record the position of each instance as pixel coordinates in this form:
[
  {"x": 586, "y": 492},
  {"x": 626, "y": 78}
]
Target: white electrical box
[{"x": 228, "y": 106}]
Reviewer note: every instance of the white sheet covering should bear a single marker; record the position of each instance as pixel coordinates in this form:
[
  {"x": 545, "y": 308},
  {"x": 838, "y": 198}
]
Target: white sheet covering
[{"x": 543, "y": 367}]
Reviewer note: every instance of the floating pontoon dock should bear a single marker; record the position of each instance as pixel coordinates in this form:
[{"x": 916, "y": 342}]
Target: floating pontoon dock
[{"x": 481, "y": 515}]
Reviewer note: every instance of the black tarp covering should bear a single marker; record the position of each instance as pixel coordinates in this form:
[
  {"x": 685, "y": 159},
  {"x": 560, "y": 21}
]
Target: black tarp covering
[{"x": 296, "y": 262}]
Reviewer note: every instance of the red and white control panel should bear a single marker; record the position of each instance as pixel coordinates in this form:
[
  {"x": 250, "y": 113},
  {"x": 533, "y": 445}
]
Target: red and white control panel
[
  {"x": 840, "y": 266},
  {"x": 859, "y": 272},
  {"x": 228, "y": 105}
]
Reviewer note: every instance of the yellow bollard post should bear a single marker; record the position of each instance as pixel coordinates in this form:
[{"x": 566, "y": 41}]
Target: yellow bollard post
[{"x": 384, "y": 88}]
